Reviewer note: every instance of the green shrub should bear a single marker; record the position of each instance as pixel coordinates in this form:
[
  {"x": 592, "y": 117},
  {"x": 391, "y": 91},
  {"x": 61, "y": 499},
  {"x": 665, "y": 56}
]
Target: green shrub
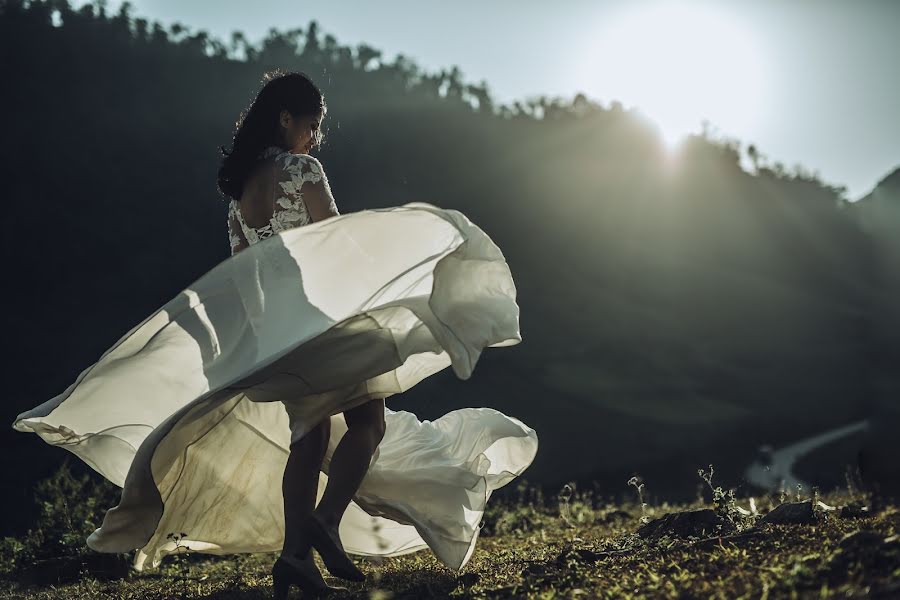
[{"x": 69, "y": 509}]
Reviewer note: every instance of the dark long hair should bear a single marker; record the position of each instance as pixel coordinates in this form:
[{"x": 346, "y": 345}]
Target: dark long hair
[{"x": 257, "y": 127}]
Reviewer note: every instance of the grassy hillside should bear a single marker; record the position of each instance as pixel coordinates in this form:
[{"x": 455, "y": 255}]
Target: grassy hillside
[
  {"x": 674, "y": 305},
  {"x": 569, "y": 544}
]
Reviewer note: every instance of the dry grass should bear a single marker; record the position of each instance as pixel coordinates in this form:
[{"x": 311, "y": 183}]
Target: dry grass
[{"x": 582, "y": 547}]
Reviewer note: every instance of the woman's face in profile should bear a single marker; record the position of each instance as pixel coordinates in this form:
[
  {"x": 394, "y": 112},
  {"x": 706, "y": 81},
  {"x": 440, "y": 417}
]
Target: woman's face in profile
[{"x": 301, "y": 133}]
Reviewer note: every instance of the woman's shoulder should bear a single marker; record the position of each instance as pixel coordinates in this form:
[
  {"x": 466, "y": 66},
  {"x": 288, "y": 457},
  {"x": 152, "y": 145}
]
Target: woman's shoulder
[
  {"x": 272, "y": 162},
  {"x": 305, "y": 166},
  {"x": 278, "y": 154}
]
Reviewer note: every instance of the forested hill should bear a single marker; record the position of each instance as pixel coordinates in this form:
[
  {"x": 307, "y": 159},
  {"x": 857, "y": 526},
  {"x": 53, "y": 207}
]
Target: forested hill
[{"x": 677, "y": 308}]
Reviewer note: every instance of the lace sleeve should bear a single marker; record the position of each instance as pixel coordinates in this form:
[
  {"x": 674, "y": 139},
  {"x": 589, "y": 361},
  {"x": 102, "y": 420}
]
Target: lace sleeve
[
  {"x": 301, "y": 186},
  {"x": 236, "y": 238}
]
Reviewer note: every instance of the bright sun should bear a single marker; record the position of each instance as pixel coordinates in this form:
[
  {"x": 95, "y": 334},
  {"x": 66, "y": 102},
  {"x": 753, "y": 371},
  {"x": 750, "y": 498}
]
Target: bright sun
[{"x": 681, "y": 63}]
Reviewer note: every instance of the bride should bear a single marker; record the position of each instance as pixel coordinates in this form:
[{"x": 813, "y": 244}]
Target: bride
[{"x": 248, "y": 413}]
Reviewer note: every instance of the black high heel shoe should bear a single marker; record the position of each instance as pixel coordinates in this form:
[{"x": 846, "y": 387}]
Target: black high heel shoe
[
  {"x": 328, "y": 543},
  {"x": 303, "y": 573}
]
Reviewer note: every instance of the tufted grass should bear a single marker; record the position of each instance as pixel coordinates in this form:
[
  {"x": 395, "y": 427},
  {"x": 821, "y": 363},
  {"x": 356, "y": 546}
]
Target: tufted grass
[{"x": 575, "y": 546}]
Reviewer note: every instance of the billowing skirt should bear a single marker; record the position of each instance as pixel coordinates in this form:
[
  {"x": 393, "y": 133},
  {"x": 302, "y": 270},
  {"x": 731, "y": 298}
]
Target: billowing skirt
[{"x": 193, "y": 411}]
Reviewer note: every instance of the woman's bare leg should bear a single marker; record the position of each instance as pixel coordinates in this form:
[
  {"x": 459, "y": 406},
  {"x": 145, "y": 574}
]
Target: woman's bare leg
[
  {"x": 350, "y": 461},
  {"x": 301, "y": 484}
]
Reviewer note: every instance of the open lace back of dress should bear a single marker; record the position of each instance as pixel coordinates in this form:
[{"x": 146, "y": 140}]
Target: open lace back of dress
[{"x": 289, "y": 173}]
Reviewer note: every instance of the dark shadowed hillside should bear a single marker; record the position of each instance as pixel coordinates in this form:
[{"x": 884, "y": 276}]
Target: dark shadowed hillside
[
  {"x": 879, "y": 215},
  {"x": 677, "y": 310}
]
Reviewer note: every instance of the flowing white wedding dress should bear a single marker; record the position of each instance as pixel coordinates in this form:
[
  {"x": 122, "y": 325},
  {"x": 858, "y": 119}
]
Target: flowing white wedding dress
[{"x": 192, "y": 412}]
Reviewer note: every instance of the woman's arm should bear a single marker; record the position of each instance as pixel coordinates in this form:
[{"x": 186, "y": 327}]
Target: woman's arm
[{"x": 303, "y": 180}]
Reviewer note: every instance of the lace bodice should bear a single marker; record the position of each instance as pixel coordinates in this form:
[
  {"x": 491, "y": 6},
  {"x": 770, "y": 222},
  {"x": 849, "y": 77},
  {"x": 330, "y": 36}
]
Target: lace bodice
[{"x": 289, "y": 173}]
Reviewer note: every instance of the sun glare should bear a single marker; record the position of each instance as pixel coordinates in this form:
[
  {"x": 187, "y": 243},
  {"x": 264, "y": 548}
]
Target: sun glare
[{"x": 681, "y": 63}]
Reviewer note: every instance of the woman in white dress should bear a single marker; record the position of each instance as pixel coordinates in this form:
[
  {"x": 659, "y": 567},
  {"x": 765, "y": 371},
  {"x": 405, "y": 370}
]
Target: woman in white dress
[
  {"x": 274, "y": 366},
  {"x": 254, "y": 213}
]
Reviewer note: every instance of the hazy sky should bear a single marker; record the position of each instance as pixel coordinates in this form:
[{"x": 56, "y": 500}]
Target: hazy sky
[{"x": 808, "y": 81}]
